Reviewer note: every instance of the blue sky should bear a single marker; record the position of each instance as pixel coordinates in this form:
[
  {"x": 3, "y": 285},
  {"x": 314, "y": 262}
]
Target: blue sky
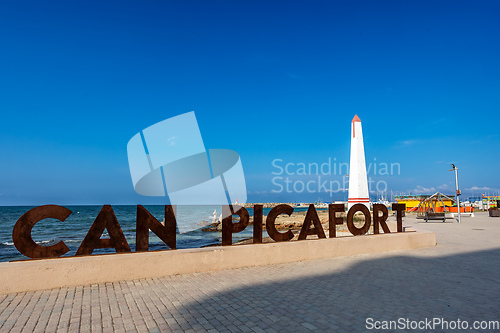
[{"x": 278, "y": 80}]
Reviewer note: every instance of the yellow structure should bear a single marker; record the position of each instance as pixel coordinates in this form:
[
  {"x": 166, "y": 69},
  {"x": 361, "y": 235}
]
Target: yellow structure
[{"x": 412, "y": 201}]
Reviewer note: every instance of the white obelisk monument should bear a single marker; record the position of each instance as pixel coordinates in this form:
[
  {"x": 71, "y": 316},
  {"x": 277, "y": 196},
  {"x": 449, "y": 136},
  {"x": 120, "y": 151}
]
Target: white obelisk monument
[{"x": 358, "y": 183}]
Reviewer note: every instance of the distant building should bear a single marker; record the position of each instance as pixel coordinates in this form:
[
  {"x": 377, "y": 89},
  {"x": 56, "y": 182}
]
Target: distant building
[
  {"x": 445, "y": 203},
  {"x": 490, "y": 201}
]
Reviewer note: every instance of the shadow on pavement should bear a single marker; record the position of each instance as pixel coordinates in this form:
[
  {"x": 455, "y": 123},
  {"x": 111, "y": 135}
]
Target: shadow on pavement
[{"x": 465, "y": 287}]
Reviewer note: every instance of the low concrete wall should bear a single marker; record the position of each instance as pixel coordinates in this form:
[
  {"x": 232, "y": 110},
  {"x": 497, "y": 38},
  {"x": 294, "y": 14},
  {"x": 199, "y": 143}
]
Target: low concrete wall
[{"x": 44, "y": 274}]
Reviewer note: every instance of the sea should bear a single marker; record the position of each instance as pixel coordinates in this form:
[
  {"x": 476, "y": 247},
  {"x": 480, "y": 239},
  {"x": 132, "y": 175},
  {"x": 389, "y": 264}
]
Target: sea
[{"x": 73, "y": 230}]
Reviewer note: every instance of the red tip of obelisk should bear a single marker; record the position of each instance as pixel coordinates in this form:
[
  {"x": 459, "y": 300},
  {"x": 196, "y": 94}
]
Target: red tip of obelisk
[{"x": 356, "y": 119}]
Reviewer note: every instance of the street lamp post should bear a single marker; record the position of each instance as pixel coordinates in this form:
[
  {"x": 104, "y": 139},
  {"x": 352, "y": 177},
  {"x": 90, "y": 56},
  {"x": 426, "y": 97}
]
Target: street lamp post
[{"x": 458, "y": 192}]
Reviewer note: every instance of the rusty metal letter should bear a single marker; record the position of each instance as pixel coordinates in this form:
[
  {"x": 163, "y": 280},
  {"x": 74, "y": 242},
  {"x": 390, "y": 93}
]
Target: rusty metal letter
[
  {"x": 106, "y": 219},
  {"x": 257, "y": 223},
  {"x": 399, "y": 208},
  {"x": 380, "y": 220},
  {"x": 271, "y": 228},
  {"x": 146, "y": 221},
  {"x": 21, "y": 234},
  {"x": 333, "y": 220},
  {"x": 228, "y": 227},
  {"x": 311, "y": 216},
  {"x": 350, "y": 220}
]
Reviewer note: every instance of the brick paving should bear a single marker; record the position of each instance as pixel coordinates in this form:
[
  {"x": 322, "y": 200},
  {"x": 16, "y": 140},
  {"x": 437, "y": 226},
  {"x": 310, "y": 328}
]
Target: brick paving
[{"x": 457, "y": 279}]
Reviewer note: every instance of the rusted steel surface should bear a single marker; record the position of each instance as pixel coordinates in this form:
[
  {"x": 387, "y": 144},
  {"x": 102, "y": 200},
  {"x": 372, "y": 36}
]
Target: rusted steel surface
[
  {"x": 228, "y": 227},
  {"x": 350, "y": 220},
  {"x": 106, "y": 219},
  {"x": 271, "y": 228},
  {"x": 399, "y": 209},
  {"x": 333, "y": 219},
  {"x": 21, "y": 234},
  {"x": 146, "y": 221},
  {"x": 311, "y": 216},
  {"x": 257, "y": 223},
  {"x": 379, "y": 220}
]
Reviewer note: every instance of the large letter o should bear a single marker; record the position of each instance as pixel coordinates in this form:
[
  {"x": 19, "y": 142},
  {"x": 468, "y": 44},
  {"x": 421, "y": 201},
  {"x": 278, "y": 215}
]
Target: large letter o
[{"x": 350, "y": 220}]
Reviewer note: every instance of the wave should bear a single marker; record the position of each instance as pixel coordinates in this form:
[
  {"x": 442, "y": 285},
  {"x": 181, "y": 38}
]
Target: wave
[
  {"x": 46, "y": 241},
  {"x": 39, "y": 242}
]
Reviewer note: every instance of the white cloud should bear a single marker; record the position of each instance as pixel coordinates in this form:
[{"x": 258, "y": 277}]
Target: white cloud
[
  {"x": 475, "y": 188},
  {"x": 407, "y": 143},
  {"x": 424, "y": 190}
]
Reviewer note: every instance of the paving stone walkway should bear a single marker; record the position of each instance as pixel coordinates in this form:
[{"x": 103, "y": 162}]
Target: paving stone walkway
[{"x": 457, "y": 279}]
